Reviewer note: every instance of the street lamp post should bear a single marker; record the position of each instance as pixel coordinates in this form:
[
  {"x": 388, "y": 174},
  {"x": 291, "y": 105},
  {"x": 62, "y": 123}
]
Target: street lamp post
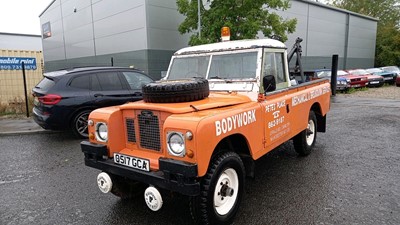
[{"x": 199, "y": 16}]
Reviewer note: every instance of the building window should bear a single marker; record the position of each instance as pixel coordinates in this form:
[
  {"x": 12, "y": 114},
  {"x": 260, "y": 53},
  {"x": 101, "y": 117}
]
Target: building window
[{"x": 46, "y": 30}]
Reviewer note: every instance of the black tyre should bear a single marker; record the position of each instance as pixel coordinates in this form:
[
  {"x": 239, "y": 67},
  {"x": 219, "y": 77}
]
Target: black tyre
[
  {"x": 79, "y": 124},
  {"x": 186, "y": 90},
  {"x": 305, "y": 140},
  {"x": 221, "y": 191},
  {"x": 126, "y": 189}
]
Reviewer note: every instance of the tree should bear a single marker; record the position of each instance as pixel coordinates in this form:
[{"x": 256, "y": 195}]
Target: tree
[
  {"x": 387, "y": 11},
  {"x": 387, "y": 46},
  {"x": 245, "y": 18},
  {"x": 388, "y": 32}
]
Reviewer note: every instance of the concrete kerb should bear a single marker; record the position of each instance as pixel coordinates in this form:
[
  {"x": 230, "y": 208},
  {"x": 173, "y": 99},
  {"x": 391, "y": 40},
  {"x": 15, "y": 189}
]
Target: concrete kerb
[
  {"x": 15, "y": 126},
  {"x": 13, "y": 133}
]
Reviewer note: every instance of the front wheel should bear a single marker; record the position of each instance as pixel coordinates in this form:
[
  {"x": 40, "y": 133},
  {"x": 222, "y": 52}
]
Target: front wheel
[
  {"x": 221, "y": 191},
  {"x": 305, "y": 140}
]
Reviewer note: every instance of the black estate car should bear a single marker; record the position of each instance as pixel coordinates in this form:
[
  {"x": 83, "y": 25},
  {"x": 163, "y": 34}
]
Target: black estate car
[{"x": 65, "y": 98}]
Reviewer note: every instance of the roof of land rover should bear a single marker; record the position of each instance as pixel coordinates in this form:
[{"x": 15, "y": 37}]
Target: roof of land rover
[{"x": 231, "y": 45}]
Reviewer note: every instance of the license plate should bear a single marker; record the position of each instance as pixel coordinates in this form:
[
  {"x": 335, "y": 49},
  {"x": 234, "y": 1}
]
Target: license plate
[
  {"x": 133, "y": 162},
  {"x": 374, "y": 82},
  {"x": 356, "y": 85},
  {"x": 388, "y": 78}
]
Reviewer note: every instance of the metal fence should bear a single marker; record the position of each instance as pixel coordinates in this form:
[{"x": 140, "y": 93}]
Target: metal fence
[{"x": 11, "y": 76}]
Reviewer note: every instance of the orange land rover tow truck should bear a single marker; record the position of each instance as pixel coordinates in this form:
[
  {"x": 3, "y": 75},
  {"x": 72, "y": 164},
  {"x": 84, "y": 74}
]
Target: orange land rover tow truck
[{"x": 198, "y": 131}]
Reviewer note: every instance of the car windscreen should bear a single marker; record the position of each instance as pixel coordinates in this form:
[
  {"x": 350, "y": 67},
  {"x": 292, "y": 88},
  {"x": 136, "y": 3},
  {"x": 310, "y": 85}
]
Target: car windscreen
[
  {"x": 341, "y": 73},
  {"x": 357, "y": 72},
  {"x": 324, "y": 74},
  {"x": 188, "y": 67},
  {"x": 45, "y": 84},
  {"x": 391, "y": 69},
  {"x": 234, "y": 66},
  {"x": 374, "y": 70}
]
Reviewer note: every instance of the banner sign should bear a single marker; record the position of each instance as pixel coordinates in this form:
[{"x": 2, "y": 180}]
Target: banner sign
[{"x": 15, "y": 63}]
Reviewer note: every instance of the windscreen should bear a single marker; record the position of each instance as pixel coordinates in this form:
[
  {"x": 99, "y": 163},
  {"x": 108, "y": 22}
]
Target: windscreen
[
  {"x": 323, "y": 74},
  {"x": 187, "y": 67},
  {"x": 358, "y": 72},
  {"x": 234, "y": 66},
  {"x": 391, "y": 69}
]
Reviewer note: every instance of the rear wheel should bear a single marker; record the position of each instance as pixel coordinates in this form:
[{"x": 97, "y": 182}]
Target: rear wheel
[
  {"x": 305, "y": 140},
  {"x": 221, "y": 191},
  {"x": 80, "y": 124}
]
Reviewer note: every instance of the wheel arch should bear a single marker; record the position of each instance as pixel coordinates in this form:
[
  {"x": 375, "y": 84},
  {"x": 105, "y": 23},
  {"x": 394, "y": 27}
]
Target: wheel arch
[
  {"x": 237, "y": 143},
  {"x": 321, "y": 119},
  {"x": 72, "y": 116}
]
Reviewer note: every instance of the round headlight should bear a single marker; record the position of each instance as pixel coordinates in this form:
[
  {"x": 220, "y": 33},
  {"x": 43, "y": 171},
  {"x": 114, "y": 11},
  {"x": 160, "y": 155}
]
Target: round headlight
[
  {"x": 176, "y": 144},
  {"x": 101, "y": 132}
]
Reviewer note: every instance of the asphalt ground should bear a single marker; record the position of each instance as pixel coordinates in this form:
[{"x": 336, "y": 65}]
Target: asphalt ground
[{"x": 351, "y": 177}]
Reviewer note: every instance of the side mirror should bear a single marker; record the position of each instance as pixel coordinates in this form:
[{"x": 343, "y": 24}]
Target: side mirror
[{"x": 269, "y": 83}]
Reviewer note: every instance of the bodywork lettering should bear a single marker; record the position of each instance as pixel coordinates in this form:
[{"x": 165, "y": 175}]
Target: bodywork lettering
[
  {"x": 233, "y": 122},
  {"x": 305, "y": 97}
]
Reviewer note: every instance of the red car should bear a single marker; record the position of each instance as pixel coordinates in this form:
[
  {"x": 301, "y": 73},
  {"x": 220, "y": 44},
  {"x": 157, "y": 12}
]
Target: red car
[
  {"x": 373, "y": 80},
  {"x": 355, "y": 81}
]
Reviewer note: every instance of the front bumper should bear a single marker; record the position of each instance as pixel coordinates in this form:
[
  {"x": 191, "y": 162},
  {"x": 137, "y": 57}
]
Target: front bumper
[
  {"x": 172, "y": 175},
  {"x": 389, "y": 79},
  {"x": 341, "y": 87},
  {"x": 375, "y": 83}
]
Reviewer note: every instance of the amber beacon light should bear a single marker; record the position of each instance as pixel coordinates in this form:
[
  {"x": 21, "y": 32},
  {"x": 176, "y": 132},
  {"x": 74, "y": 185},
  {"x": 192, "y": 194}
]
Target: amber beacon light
[{"x": 225, "y": 34}]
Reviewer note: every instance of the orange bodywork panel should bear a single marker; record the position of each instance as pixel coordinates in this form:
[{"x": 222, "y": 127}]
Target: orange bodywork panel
[{"x": 265, "y": 124}]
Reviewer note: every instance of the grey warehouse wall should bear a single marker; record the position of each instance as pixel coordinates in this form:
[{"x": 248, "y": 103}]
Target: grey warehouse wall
[
  {"x": 327, "y": 31},
  {"x": 144, "y": 33}
]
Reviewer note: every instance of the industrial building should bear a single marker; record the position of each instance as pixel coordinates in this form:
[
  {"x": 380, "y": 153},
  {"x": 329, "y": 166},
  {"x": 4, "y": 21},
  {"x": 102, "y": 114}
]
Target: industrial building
[{"x": 144, "y": 34}]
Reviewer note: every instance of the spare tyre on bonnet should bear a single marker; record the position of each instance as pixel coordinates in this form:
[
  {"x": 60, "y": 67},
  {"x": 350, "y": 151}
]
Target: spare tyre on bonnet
[{"x": 185, "y": 90}]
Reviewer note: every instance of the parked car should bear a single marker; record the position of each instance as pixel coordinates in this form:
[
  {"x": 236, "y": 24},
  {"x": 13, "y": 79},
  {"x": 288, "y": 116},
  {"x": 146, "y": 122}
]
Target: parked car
[
  {"x": 373, "y": 80},
  {"x": 398, "y": 81},
  {"x": 392, "y": 69},
  {"x": 64, "y": 99},
  {"x": 389, "y": 77},
  {"x": 341, "y": 82},
  {"x": 354, "y": 81}
]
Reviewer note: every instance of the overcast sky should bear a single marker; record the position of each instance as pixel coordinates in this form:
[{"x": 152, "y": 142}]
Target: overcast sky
[{"x": 21, "y": 16}]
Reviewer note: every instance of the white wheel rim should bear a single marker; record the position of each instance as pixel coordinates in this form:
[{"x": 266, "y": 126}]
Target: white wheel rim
[
  {"x": 228, "y": 178},
  {"x": 310, "y": 133}
]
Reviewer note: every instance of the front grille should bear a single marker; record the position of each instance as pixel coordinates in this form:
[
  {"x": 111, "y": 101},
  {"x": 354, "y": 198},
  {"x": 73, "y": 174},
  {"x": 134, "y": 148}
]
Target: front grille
[
  {"x": 130, "y": 130},
  {"x": 149, "y": 131}
]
